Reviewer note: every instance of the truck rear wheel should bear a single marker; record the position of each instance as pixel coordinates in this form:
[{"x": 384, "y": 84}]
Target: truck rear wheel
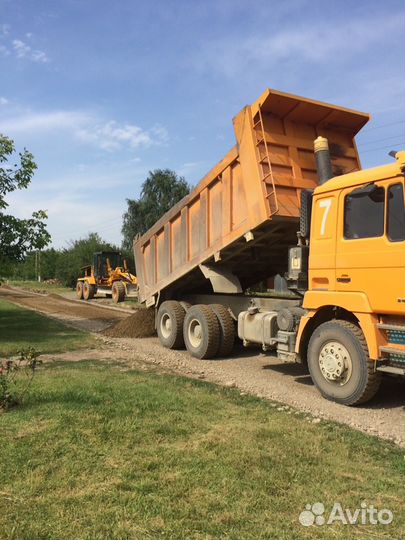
[
  {"x": 79, "y": 290},
  {"x": 227, "y": 329},
  {"x": 339, "y": 364},
  {"x": 201, "y": 331},
  {"x": 88, "y": 290},
  {"x": 169, "y": 324},
  {"x": 118, "y": 292}
]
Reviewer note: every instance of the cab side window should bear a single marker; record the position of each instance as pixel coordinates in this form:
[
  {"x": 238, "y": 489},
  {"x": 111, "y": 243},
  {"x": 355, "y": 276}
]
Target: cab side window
[
  {"x": 396, "y": 213},
  {"x": 364, "y": 212}
]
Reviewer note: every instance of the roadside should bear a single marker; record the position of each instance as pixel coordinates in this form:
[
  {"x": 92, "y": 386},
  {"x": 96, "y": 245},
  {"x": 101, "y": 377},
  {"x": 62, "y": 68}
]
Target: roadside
[
  {"x": 20, "y": 329},
  {"x": 248, "y": 370}
]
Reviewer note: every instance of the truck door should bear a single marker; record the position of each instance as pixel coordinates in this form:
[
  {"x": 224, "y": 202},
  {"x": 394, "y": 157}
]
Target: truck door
[{"x": 370, "y": 247}]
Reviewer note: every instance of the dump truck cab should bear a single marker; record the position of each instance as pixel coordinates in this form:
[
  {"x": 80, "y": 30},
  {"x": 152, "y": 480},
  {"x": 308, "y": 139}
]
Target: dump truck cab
[{"x": 356, "y": 269}]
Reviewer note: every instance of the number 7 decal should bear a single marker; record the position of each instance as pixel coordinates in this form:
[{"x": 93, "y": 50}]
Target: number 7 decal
[{"x": 325, "y": 203}]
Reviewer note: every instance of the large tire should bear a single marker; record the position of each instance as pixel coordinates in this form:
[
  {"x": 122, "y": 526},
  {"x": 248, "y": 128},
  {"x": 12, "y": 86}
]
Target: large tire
[
  {"x": 88, "y": 290},
  {"x": 169, "y": 324},
  {"x": 79, "y": 290},
  {"x": 339, "y": 364},
  {"x": 227, "y": 330},
  {"x": 201, "y": 332},
  {"x": 118, "y": 292}
]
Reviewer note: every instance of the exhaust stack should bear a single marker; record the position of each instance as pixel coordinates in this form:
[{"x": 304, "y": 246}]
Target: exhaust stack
[{"x": 323, "y": 161}]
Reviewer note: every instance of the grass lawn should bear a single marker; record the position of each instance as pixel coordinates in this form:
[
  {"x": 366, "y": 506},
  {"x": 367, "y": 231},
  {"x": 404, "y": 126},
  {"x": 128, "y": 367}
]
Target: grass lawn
[
  {"x": 39, "y": 287},
  {"x": 97, "y": 452},
  {"x": 21, "y": 328}
]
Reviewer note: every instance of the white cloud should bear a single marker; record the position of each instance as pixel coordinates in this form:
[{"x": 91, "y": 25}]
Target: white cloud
[
  {"x": 108, "y": 135},
  {"x": 22, "y": 50},
  {"x": 44, "y": 122},
  {"x": 112, "y": 136},
  {"x": 3, "y": 101},
  {"x": 317, "y": 44}
]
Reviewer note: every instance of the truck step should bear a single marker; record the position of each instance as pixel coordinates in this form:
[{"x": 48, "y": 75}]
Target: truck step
[
  {"x": 393, "y": 327},
  {"x": 392, "y": 369},
  {"x": 393, "y": 351}
]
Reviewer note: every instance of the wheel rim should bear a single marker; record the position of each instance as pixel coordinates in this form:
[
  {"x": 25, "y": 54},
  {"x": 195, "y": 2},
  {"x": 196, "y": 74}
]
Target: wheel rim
[
  {"x": 166, "y": 325},
  {"x": 335, "y": 363},
  {"x": 194, "y": 333}
]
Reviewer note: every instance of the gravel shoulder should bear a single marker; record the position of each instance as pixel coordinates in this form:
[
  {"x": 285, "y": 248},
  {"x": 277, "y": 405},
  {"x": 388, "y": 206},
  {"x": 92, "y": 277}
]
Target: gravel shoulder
[{"x": 248, "y": 370}]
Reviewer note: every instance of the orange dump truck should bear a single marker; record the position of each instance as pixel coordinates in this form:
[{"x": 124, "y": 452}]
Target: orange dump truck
[{"x": 277, "y": 205}]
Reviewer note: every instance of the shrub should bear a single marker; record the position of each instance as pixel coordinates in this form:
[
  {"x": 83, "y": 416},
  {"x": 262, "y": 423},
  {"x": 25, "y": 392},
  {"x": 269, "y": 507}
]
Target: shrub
[{"x": 16, "y": 375}]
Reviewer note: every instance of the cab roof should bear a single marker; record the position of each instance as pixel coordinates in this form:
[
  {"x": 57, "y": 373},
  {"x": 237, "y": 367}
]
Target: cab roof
[{"x": 365, "y": 176}]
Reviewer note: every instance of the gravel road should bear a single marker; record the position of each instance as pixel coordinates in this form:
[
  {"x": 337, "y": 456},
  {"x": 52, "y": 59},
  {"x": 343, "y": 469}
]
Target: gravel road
[{"x": 248, "y": 370}]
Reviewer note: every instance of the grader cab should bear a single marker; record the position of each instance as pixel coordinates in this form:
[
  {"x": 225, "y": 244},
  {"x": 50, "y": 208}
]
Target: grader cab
[{"x": 109, "y": 274}]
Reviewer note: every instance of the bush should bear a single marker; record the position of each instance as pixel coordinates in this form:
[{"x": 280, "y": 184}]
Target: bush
[{"x": 16, "y": 376}]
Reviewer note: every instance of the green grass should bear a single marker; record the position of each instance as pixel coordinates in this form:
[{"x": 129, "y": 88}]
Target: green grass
[
  {"x": 21, "y": 328},
  {"x": 97, "y": 452},
  {"x": 39, "y": 287}
]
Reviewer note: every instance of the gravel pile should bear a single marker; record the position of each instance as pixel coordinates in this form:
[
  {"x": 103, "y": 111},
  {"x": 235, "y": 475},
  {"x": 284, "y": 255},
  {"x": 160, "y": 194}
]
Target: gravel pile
[{"x": 140, "y": 324}]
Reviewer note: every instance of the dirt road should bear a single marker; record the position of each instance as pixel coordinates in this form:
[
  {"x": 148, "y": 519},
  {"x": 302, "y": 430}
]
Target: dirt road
[
  {"x": 248, "y": 370},
  {"x": 86, "y": 316}
]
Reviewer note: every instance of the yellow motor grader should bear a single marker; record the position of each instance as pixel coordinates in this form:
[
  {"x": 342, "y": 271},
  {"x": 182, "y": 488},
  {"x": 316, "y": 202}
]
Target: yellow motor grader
[{"x": 108, "y": 274}]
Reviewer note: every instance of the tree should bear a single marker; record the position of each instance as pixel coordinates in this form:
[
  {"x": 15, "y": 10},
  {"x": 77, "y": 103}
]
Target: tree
[
  {"x": 161, "y": 190},
  {"x": 17, "y": 236},
  {"x": 79, "y": 253}
]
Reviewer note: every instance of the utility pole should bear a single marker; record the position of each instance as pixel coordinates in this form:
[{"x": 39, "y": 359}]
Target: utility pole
[{"x": 38, "y": 265}]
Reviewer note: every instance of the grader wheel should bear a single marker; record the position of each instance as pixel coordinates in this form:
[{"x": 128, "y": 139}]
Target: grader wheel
[
  {"x": 88, "y": 290},
  {"x": 118, "y": 292},
  {"x": 79, "y": 290}
]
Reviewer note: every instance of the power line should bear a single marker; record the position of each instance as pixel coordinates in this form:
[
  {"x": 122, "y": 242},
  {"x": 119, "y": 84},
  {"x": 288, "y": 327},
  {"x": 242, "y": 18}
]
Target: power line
[
  {"x": 380, "y": 140},
  {"x": 371, "y": 128},
  {"x": 383, "y": 147}
]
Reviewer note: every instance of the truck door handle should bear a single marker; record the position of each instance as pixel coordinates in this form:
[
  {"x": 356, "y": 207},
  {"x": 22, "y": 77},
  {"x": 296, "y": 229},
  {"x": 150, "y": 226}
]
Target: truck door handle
[{"x": 344, "y": 279}]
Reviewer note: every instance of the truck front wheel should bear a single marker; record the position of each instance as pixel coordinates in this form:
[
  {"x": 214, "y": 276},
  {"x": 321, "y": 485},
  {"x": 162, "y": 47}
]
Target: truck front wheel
[
  {"x": 169, "y": 324},
  {"x": 339, "y": 365},
  {"x": 201, "y": 331}
]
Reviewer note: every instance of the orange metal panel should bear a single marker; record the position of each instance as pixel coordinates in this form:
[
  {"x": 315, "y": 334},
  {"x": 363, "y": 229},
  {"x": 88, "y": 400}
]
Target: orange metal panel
[{"x": 255, "y": 189}]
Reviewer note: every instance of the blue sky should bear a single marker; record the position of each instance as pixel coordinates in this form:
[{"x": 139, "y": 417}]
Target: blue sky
[{"x": 102, "y": 92}]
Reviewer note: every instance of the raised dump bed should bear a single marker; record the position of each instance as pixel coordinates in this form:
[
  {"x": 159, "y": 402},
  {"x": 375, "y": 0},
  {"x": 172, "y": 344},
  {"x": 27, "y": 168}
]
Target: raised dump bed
[{"x": 235, "y": 228}]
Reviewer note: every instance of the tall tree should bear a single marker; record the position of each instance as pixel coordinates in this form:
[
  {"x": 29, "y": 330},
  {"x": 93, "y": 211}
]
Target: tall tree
[
  {"x": 17, "y": 236},
  {"x": 161, "y": 190}
]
